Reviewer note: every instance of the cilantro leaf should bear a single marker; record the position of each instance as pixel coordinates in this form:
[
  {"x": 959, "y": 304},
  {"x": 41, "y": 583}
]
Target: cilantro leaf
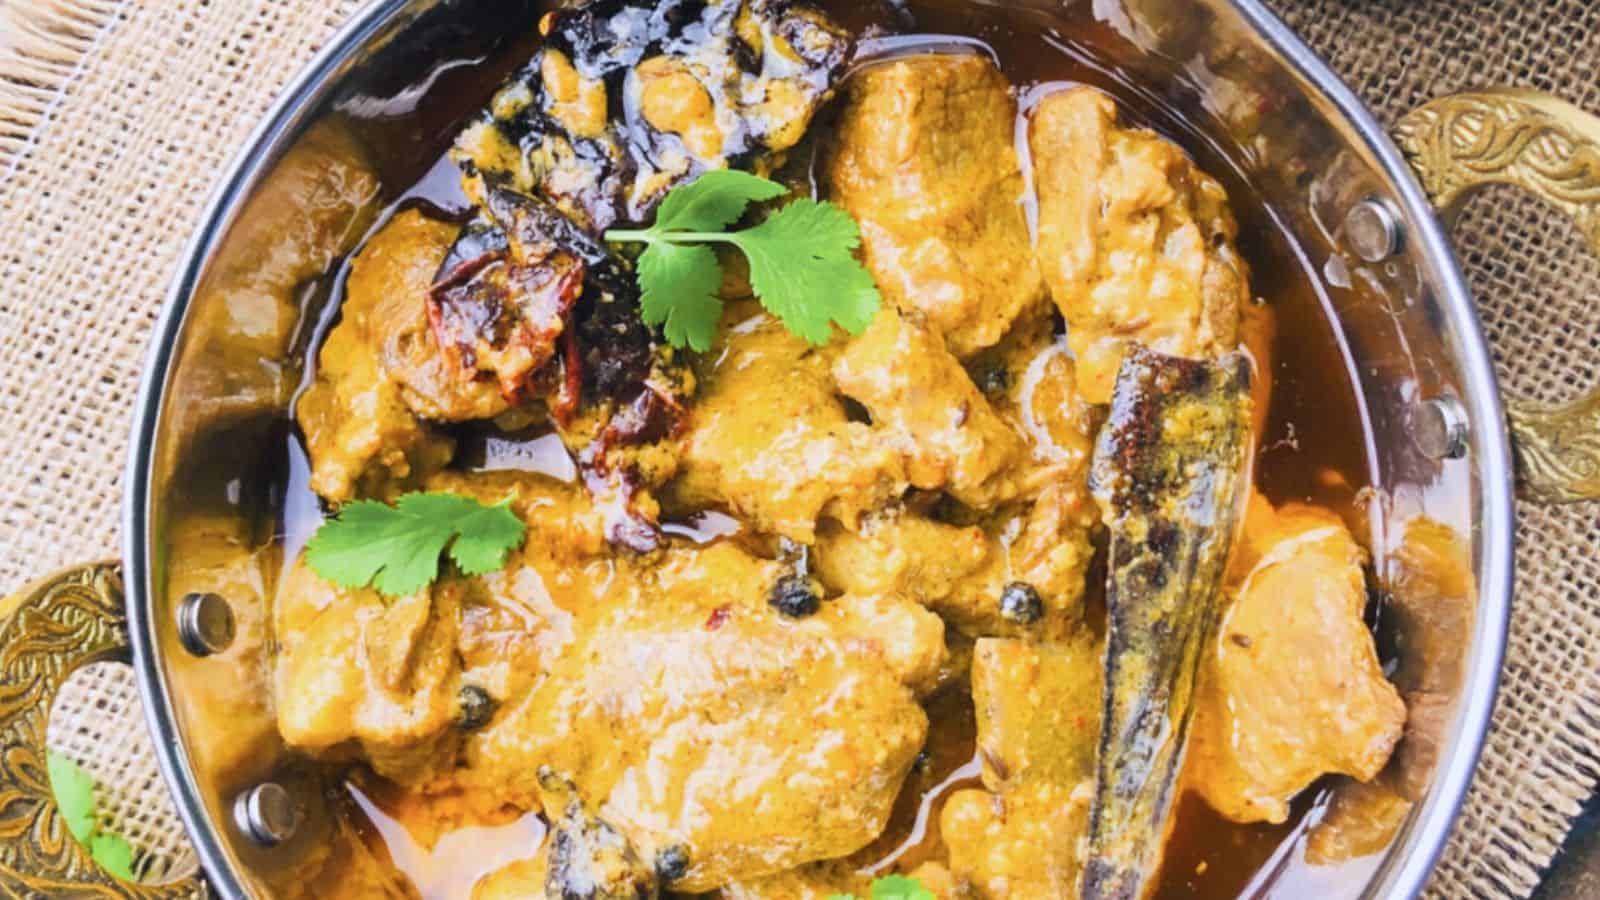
[
  {"x": 713, "y": 201},
  {"x": 680, "y": 284},
  {"x": 802, "y": 261},
  {"x": 75, "y": 798},
  {"x": 113, "y": 854},
  {"x": 803, "y": 272},
  {"x": 396, "y": 549},
  {"x": 74, "y": 791}
]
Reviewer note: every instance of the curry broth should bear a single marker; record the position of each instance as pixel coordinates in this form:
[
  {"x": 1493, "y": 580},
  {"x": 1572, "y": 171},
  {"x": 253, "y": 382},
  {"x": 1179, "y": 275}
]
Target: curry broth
[{"x": 1313, "y": 446}]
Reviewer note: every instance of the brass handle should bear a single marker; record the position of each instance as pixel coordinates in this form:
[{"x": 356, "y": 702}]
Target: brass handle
[
  {"x": 47, "y": 631},
  {"x": 1551, "y": 149}
]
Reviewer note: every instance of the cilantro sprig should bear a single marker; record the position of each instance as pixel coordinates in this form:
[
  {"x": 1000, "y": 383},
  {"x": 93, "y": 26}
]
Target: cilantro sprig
[
  {"x": 396, "y": 549},
  {"x": 75, "y": 798},
  {"x": 893, "y": 887},
  {"x": 802, "y": 263}
]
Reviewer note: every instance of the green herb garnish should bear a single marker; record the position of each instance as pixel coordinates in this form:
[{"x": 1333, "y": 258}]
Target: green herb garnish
[
  {"x": 894, "y": 887},
  {"x": 396, "y": 548},
  {"x": 802, "y": 263},
  {"x": 75, "y": 798}
]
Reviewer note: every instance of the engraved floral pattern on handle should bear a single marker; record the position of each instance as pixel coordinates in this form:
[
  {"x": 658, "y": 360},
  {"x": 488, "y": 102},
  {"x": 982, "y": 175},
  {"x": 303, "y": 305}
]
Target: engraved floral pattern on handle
[
  {"x": 48, "y": 631},
  {"x": 1551, "y": 149}
]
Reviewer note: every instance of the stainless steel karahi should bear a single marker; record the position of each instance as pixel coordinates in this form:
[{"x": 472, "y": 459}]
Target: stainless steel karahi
[{"x": 1362, "y": 209}]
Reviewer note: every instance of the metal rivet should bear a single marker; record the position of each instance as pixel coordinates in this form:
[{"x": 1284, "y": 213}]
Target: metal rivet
[
  {"x": 266, "y": 814},
  {"x": 205, "y": 624},
  {"x": 1373, "y": 230},
  {"x": 1439, "y": 427}
]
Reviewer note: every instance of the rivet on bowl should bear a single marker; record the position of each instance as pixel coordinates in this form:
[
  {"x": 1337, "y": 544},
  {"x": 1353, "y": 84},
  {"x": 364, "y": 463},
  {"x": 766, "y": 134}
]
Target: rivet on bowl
[
  {"x": 1373, "y": 231},
  {"x": 266, "y": 814},
  {"x": 205, "y": 623},
  {"x": 1439, "y": 428}
]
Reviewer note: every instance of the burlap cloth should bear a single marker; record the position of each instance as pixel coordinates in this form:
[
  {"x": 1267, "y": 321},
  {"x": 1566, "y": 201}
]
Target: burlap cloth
[{"x": 117, "y": 116}]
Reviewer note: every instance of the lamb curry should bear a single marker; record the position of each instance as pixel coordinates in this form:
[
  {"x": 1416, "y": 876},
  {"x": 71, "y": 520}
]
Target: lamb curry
[{"x": 788, "y": 616}]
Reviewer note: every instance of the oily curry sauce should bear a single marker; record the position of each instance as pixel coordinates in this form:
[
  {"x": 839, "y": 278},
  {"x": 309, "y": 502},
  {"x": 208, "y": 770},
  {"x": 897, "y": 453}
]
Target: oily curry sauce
[{"x": 1311, "y": 451}]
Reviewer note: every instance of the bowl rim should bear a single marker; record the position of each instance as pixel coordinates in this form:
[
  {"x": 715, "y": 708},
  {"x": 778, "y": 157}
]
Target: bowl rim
[{"x": 1407, "y": 864}]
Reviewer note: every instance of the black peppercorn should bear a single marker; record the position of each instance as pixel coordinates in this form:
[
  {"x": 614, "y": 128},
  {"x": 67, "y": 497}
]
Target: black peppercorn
[
  {"x": 474, "y": 707},
  {"x": 672, "y": 863},
  {"x": 795, "y": 596},
  {"x": 1021, "y": 603}
]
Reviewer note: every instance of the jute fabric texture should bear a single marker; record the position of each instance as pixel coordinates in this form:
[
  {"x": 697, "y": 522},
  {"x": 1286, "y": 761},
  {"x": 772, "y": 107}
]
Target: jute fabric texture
[{"x": 117, "y": 117}]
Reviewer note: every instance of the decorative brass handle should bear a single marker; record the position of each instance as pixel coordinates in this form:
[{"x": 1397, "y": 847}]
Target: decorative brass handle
[
  {"x": 1551, "y": 149},
  {"x": 47, "y": 631}
]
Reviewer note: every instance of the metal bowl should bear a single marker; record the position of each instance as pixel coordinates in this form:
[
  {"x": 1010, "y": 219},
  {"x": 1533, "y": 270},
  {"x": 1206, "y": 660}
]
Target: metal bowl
[{"x": 213, "y": 404}]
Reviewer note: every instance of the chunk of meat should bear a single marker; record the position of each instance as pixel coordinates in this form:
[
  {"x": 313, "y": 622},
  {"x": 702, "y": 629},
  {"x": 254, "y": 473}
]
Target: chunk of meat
[
  {"x": 356, "y": 671},
  {"x": 704, "y": 720},
  {"x": 769, "y": 440},
  {"x": 921, "y": 398},
  {"x": 908, "y": 637},
  {"x": 518, "y": 620},
  {"x": 380, "y": 372},
  {"x": 961, "y": 572},
  {"x": 387, "y": 298},
  {"x": 386, "y": 678},
  {"x": 1293, "y": 689},
  {"x": 1038, "y": 707},
  {"x": 1135, "y": 242},
  {"x": 925, "y": 161},
  {"x": 701, "y": 86},
  {"x": 1020, "y": 846},
  {"x": 1031, "y": 382}
]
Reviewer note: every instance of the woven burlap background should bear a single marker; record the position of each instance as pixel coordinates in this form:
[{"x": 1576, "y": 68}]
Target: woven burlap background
[{"x": 117, "y": 116}]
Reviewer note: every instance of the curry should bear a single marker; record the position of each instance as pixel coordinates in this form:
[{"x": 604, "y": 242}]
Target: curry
[{"x": 789, "y": 616}]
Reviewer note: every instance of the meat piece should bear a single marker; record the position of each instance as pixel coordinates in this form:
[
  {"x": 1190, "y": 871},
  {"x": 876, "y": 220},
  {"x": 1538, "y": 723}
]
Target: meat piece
[
  {"x": 1135, "y": 242},
  {"x": 387, "y": 302},
  {"x": 699, "y": 86},
  {"x": 518, "y": 620},
  {"x": 1018, "y": 847},
  {"x": 770, "y": 442},
  {"x": 1038, "y": 707},
  {"x": 702, "y": 719},
  {"x": 380, "y": 372},
  {"x": 962, "y": 572},
  {"x": 923, "y": 401},
  {"x": 924, "y": 160},
  {"x": 386, "y": 678},
  {"x": 1293, "y": 688},
  {"x": 1030, "y": 380},
  {"x": 382, "y": 674},
  {"x": 1038, "y": 724},
  {"x": 908, "y": 638}
]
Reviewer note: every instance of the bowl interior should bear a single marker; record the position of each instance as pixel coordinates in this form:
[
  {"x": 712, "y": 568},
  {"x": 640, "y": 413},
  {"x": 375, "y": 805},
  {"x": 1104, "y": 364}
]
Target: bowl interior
[{"x": 218, "y": 486}]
